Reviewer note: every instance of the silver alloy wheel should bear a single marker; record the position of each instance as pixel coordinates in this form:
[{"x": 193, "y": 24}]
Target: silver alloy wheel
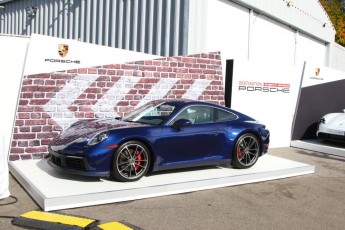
[
  {"x": 132, "y": 161},
  {"x": 247, "y": 150}
]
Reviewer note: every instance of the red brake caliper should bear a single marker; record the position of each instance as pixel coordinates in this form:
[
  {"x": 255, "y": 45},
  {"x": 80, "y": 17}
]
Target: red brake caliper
[
  {"x": 239, "y": 153},
  {"x": 138, "y": 160}
]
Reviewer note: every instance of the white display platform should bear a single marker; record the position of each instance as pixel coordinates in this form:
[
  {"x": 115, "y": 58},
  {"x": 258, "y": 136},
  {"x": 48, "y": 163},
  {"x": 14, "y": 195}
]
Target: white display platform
[
  {"x": 318, "y": 145},
  {"x": 54, "y": 191}
]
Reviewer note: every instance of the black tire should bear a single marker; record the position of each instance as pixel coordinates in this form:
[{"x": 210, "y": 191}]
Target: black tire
[
  {"x": 246, "y": 151},
  {"x": 131, "y": 161}
]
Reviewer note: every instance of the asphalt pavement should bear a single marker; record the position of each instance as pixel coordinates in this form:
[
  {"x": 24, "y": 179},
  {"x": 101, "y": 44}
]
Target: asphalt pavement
[{"x": 314, "y": 201}]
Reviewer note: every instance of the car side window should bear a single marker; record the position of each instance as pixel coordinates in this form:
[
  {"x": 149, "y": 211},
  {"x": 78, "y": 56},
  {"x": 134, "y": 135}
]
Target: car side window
[
  {"x": 196, "y": 114},
  {"x": 222, "y": 115},
  {"x": 156, "y": 115},
  {"x": 162, "y": 111}
]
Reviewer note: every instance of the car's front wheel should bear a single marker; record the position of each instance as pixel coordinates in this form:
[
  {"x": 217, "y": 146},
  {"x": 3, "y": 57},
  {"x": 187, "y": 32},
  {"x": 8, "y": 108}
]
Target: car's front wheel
[
  {"x": 131, "y": 161},
  {"x": 246, "y": 151}
]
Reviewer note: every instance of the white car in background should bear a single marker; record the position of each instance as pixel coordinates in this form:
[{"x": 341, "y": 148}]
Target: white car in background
[{"x": 332, "y": 127}]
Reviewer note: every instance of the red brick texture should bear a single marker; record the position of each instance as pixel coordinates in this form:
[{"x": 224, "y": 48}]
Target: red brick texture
[{"x": 50, "y": 102}]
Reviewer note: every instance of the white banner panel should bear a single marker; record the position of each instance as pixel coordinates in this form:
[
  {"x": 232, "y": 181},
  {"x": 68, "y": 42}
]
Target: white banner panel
[
  {"x": 48, "y": 54},
  {"x": 267, "y": 92},
  {"x": 316, "y": 74},
  {"x": 12, "y": 62},
  {"x": 4, "y": 179}
]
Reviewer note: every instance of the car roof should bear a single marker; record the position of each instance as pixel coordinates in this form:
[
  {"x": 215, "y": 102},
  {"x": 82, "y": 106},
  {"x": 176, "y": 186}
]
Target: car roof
[
  {"x": 186, "y": 102},
  {"x": 183, "y": 102},
  {"x": 180, "y": 101}
]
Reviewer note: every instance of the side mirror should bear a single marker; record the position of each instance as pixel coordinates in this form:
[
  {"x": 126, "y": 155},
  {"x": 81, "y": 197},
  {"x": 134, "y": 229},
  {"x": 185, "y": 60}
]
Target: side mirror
[{"x": 181, "y": 123}]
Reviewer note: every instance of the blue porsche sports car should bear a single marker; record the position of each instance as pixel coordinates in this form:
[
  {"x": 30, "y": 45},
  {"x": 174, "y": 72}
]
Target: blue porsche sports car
[{"x": 163, "y": 134}]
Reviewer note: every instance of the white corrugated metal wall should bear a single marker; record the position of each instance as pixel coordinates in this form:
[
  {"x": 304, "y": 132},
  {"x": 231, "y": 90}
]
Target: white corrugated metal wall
[
  {"x": 242, "y": 30},
  {"x": 151, "y": 26},
  {"x": 307, "y": 16},
  {"x": 338, "y": 61},
  {"x": 176, "y": 27}
]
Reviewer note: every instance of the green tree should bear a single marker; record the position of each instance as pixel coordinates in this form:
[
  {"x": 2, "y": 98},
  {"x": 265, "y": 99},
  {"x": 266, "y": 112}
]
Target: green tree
[{"x": 336, "y": 12}]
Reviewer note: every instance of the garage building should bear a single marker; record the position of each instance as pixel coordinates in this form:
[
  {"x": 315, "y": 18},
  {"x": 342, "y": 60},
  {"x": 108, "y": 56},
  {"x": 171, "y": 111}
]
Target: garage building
[{"x": 285, "y": 30}]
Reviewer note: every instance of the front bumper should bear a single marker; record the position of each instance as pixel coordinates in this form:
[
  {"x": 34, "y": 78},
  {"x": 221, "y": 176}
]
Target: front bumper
[
  {"x": 330, "y": 134},
  {"x": 74, "y": 165}
]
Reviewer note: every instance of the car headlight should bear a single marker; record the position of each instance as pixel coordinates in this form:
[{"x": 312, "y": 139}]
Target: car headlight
[{"x": 99, "y": 138}]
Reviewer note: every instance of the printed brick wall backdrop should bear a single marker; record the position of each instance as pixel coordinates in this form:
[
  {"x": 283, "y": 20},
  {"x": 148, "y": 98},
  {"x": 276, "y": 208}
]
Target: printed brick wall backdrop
[{"x": 50, "y": 102}]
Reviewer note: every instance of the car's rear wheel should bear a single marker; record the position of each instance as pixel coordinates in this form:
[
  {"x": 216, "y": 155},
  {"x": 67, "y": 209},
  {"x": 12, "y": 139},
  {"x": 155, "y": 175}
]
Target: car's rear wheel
[
  {"x": 246, "y": 151},
  {"x": 131, "y": 161}
]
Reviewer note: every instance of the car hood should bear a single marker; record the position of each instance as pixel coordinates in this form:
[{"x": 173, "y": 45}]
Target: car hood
[
  {"x": 84, "y": 129},
  {"x": 337, "y": 122}
]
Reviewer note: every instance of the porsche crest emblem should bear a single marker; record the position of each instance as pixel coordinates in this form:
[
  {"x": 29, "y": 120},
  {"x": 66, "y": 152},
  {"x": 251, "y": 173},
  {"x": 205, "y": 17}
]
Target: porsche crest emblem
[
  {"x": 317, "y": 72},
  {"x": 63, "y": 50}
]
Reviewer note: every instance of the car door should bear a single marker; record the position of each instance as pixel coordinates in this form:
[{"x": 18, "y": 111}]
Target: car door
[{"x": 200, "y": 143}]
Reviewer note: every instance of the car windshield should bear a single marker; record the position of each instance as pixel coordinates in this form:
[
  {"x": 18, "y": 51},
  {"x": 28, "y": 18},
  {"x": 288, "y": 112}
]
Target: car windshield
[{"x": 153, "y": 113}]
